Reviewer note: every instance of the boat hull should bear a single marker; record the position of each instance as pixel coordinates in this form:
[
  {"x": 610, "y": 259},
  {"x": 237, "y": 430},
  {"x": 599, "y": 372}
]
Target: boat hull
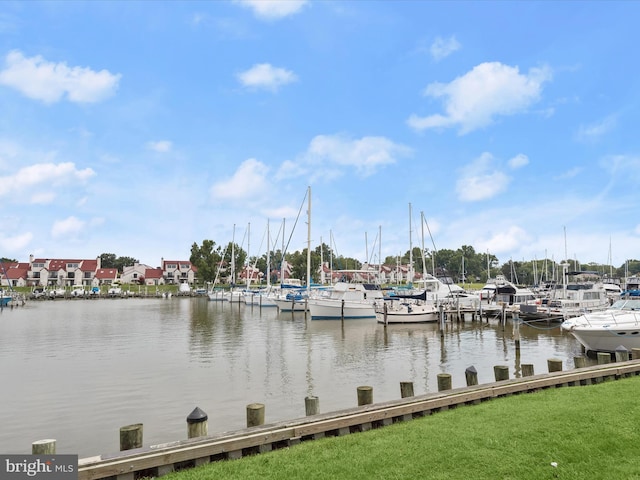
[
  {"x": 606, "y": 331},
  {"x": 337, "y": 310}
]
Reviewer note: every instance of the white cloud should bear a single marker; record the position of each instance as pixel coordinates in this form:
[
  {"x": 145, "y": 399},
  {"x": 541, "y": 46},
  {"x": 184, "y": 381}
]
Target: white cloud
[
  {"x": 68, "y": 227},
  {"x": 474, "y": 99},
  {"x": 17, "y": 243},
  {"x": 162, "y": 146},
  {"x": 366, "y": 154},
  {"x": 249, "y": 181},
  {"x": 571, "y": 173},
  {"x": 46, "y": 175},
  {"x": 443, "y": 47},
  {"x": 266, "y": 76},
  {"x": 273, "y": 9},
  {"x": 518, "y": 161},
  {"x": 481, "y": 180},
  {"x": 48, "y": 82},
  {"x": 505, "y": 240},
  {"x": 597, "y": 130}
]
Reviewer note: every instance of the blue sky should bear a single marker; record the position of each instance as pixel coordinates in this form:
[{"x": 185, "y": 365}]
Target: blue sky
[{"x": 138, "y": 128}]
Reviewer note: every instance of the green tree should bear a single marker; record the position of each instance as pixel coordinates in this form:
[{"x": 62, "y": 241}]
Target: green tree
[
  {"x": 111, "y": 260},
  {"x": 206, "y": 258}
]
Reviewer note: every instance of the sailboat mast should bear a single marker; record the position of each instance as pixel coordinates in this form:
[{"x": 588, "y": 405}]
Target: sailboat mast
[
  {"x": 410, "y": 277},
  {"x": 268, "y": 257},
  {"x": 309, "y": 241},
  {"x": 233, "y": 256}
]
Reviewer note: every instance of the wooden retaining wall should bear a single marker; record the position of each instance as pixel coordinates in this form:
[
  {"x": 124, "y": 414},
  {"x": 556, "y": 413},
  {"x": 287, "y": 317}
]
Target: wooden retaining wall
[{"x": 158, "y": 460}]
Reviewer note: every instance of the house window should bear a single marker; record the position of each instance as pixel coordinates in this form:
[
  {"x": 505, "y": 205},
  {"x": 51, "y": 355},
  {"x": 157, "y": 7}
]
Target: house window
[{"x": 72, "y": 265}]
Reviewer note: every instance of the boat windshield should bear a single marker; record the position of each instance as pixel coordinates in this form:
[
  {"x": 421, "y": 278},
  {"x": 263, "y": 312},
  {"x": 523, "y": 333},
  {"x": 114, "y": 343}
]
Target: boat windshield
[{"x": 626, "y": 305}]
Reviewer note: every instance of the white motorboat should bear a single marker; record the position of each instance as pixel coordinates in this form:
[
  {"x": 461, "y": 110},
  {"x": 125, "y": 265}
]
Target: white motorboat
[
  {"x": 607, "y": 330},
  {"x": 345, "y": 301}
]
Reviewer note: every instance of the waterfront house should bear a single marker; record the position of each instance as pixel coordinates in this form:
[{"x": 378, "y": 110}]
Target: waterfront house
[
  {"x": 153, "y": 277},
  {"x": 14, "y": 274},
  {"x": 135, "y": 273},
  {"x": 178, "y": 271},
  {"x": 105, "y": 276}
]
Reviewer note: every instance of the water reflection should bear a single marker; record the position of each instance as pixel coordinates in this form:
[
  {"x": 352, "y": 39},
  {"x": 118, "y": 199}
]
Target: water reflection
[{"x": 82, "y": 369}]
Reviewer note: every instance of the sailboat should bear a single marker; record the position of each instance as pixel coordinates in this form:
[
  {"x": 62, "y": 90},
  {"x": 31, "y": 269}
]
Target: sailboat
[
  {"x": 409, "y": 308},
  {"x": 234, "y": 295},
  {"x": 260, "y": 297},
  {"x": 294, "y": 298}
]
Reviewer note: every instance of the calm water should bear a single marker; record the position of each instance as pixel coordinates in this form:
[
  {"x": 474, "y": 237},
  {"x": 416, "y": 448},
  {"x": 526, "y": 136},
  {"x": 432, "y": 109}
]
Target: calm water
[{"x": 78, "y": 370}]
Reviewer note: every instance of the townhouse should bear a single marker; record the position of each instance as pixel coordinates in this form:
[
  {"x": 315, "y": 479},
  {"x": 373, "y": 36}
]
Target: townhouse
[{"x": 68, "y": 273}]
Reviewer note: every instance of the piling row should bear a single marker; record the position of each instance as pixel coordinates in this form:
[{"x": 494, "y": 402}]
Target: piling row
[{"x": 135, "y": 461}]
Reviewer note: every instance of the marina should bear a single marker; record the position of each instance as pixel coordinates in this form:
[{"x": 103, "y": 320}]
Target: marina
[{"x": 78, "y": 370}]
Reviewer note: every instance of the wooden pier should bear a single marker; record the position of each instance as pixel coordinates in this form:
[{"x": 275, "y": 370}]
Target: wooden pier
[{"x": 158, "y": 460}]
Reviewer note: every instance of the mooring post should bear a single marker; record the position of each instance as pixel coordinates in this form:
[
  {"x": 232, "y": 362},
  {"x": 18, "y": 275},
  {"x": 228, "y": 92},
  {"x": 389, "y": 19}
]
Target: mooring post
[
  {"x": 197, "y": 424},
  {"x": 580, "y": 361},
  {"x": 365, "y": 395},
  {"x": 471, "y": 376},
  {"x": 44, "y": 447},
  {"x": 527, "y": 369},
  {"x": 441, "y": 307},
  {"x": 504, "y": 315},
  {"x": 406, "y": 389},
  {"x": 311, "y": 405},
  {"x": 444, "y": 382},
  {"x": 131, "y": 436},
  {"x": 622, "y": 354},
  {"x": 603, "y": 358},
  {"x": 255, "y": 414},
  {"x": 342, "y": 310},
  {"x": 554, "y": 364},
  {"x": 501, "y": 372},
  {"x": 516, "y": 331}
]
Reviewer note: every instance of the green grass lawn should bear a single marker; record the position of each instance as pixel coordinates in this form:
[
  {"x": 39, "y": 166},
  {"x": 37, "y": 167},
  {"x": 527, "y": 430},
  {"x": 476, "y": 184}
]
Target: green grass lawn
[{"x": 590, "y": 432}]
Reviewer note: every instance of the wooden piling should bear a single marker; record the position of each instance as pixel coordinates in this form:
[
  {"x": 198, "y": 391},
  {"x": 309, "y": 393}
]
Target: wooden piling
[
  {"x": 444, "y": 382},
  {"x": 580, "y": 361},
  {"x": 131, "y": 436},
  {"x": 406, "y": 389},
  {"x": 255, "y": 414},
  {"x": 44, "y": 447},
  {"x": 554, "y": 365},
  {"x": 311, "y": 405},
  {"x": 365, "y": 395},
  {"x": 501, "y": 372},
  {"x": 197, "y": 425},
  {"x": 516, "y": 331},
  {"x": 603, "y": 358},
  {"x": 635, "y": 353},
  {"x": 622, "y": 354},
  {"x": 471, "y": 376},
  {"x": 527, "y": 369}
]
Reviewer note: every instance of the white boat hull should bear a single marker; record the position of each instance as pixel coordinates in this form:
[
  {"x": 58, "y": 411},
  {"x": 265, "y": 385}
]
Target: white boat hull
[
  {"x": 404, "y": 314},
  {"x": 329, "y": 309},
  {"x": 285, "y": 305},
  {"x": 606, "y": 331}
]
